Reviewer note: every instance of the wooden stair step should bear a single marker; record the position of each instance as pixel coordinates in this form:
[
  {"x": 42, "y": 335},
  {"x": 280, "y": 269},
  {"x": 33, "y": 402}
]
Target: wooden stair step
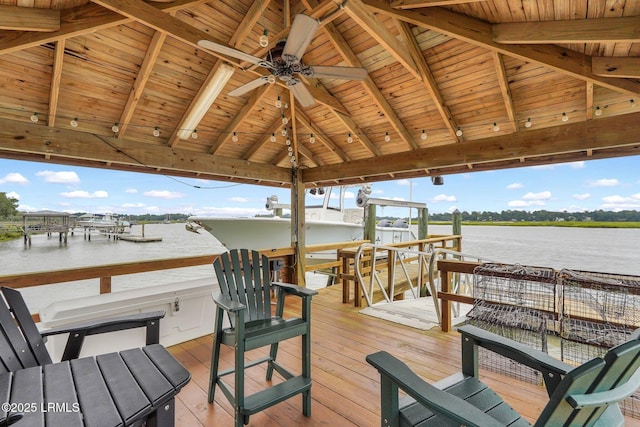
[{"x": 265, "y": 398}]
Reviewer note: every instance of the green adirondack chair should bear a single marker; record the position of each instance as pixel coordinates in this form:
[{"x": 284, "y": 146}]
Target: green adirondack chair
[
  {"x": 586, "y": 395},
  {"x": 245, "y": 296}
]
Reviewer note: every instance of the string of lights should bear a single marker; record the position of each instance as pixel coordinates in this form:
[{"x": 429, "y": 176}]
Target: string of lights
[{"x": 423, "y": 134}]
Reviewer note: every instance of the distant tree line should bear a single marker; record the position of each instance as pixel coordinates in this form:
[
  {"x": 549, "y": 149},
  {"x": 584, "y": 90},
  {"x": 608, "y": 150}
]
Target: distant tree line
[{"x": 542, "y": 215}]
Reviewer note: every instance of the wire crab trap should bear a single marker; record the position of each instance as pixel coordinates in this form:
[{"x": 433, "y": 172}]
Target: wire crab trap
[
  {"x": 598, "y": 311},
  {"x": 517, "y": 302}
]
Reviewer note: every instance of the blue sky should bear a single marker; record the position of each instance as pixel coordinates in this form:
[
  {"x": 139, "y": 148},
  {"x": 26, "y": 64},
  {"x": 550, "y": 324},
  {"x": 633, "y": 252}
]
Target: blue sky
[{"x": 610, "y": 184}]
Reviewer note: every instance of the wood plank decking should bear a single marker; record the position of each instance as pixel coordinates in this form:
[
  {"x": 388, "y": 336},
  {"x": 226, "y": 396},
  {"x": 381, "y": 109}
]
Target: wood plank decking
[{"x": 345, "y": 388}]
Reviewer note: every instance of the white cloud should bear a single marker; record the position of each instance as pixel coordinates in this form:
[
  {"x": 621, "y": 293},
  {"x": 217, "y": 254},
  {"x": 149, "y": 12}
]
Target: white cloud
[
  {"x": 133, "y": 205},
  {"x": 618, "y": 203},
  {"x": 14, "y": 178},
  {"x": 131, "y": 191},
  {"x": 577, "y": 165},
  {"x": 404, "y": 182},
  {"x": 163, "y": 194},
  {"x": 62, "y": 177},
  {"x": 13, "y": 195},
  {"x": 543, "y": 195},
  {"x": 444, "y": 198},
  {"x": 514, "y": 186},
  {"x": 238, "y": 199},
  {"x": 525, "y": 203},
  {"x": 584, "y": 196},
  {"x": 605, "y": 182},
  {"x": 81, "y": 194}
]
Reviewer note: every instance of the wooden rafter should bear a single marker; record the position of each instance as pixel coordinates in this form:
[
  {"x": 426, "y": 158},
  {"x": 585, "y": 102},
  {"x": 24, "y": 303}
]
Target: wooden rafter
[
  {"x": 367, "y": 20},
  {"x": 78, "y": 21},
  {"x": 358, "y": 133},
  {"x": 612, "y": 66},
  {"x": 428, "y": 79},
  {"x": 19, "y": 18},
  {"x": 246, "y": 109},
  {"x": 503, "y": 81},
  {"x": 56, "y": 75},
  {"x": 140, "y": 82},
  {"x": 479, "y": 33},
  {"x": 248, "y": 22},
  {"x": 321, "y": 137},
  {"x": 255, "y": 147},
  {"x": 601, "y": 30},
  {"x": 564, "y": 140},
  {"x": 370, "y": 86},
  {"x": 415, "y": 4}
]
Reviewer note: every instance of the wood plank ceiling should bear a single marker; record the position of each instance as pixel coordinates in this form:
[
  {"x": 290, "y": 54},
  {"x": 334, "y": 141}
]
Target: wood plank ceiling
[{"x": 451, "y": 86}]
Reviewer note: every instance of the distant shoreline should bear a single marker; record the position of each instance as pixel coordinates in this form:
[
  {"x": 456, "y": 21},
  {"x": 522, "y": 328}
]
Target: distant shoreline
[{"x": 575, "y": 224}]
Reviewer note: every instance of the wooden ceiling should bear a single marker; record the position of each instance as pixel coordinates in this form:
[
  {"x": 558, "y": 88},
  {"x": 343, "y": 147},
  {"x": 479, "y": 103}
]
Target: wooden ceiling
[{"x": 470, "y": 75}]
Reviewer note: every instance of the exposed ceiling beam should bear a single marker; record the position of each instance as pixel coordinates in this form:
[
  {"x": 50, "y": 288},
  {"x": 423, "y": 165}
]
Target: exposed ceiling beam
[
  {"x": 38, "y": 142},
  {"x": 18, "y": 18},
  {"x": 320, "y": 136},
  {"x": 76, "y": 22},
  {"x": 415, "y": 4},
  {"x": 503, "y": 81},
  {"x": 554, "y": 141},
  {"x": 54, "y": 89},
  {"x": 248, "y": 22},
  {"x": 150, "y": 57},
  {"x": 256, "y": 146},
  {"x": 367, "y": 20},
  {"x": 600, "y": 30},
  {"x": 358, "y": 134},
  {"x": 428, "y": 78},
  {"x": 370, "y": 86},
  {"x": 479, "y": 33},
  {"x": 612, "y": 66},
  {"x": 246, "y": 109}
]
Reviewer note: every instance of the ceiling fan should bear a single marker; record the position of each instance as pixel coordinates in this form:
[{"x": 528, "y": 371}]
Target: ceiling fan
[{"x": 284, "y": 62}]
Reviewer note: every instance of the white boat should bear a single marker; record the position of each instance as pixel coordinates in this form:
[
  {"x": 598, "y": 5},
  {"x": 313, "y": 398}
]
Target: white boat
[
  {"x": 106, "y": 222},
  {"x": 326, "y": 222}
]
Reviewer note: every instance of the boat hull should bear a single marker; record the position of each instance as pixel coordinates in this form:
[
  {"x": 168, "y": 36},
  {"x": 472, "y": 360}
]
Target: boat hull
[{"x": 270, "y": 233}]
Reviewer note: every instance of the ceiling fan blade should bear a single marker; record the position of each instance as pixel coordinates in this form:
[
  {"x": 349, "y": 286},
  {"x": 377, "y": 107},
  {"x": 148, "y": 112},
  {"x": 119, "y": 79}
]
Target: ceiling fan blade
[
  {"x": 302, "y": 31},
  {"x": 302, "y": 94},
  {"x": 347, "y": 73},
  {"x": 226, "y": 50},
  {"x": 239, "y": 91}
]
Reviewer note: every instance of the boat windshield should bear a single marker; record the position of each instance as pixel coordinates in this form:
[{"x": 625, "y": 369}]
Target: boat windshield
[{"x": 324, "y": 197}]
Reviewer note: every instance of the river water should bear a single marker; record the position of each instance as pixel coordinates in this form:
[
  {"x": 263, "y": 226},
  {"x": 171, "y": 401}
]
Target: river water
[{"x": 604, "y": 250}]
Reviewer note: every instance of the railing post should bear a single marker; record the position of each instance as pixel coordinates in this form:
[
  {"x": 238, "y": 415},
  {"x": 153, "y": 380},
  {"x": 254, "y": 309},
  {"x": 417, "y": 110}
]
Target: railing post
[{"x": 445, "y": 304}]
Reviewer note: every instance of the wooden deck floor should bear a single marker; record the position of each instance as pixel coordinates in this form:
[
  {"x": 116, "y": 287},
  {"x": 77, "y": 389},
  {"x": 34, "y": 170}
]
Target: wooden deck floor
[{"x": 345, "y": 388}]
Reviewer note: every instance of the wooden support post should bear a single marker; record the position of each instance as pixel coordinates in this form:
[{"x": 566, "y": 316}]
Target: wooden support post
[
  {"x": 298, "y": 238},
  {"x": 457, "y": 227},
  {"x": 423, "y": 223},
  {"x": 370, "y": 224},
  {"x": 105, "y": 285}
]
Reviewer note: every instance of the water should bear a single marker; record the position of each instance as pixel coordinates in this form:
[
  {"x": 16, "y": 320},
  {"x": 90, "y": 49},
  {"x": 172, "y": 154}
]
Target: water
[{"x": 592, "y": 249}]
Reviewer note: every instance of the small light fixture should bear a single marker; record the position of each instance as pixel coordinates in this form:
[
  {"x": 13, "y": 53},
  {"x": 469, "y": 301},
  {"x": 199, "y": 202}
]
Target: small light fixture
[
  {"x": 194, "y": 134},
  {"x": 284, "y": 132},
  {"x": 349, "y": 138},
  {"x": 321, "y": 191},
  {"x": 34, "y": 116},
  {"x": 264, "y": 38},
  {"x": 565, "y": 118},
  {"x": 387, "y": 138},
  {"x": 459, "y": 132},
  {"x": 423, "y": 135},
  {"x": 528, "y": 123},
  {"x": 633, "y": 103},
  {"x": 115, "y": 128},
  {"x": 284, "y": 120},
  {"x": 234, "y": 138},
  {"x": 312, "y": 139},
  {"x": 74, "y": 122},
  {"x": 313, "y": 191},
  {"x": 495, "y": 127},
  {"x": 290, "y": 149},
  {"x": 437, "y": 180},
  {"x": 288, "y": 142},
  {"x": 598, "y": 111},
  {"x": 273, "y": 137},
  {"x": 156, "y": 132},
  {"x": 278, "y": 102}
]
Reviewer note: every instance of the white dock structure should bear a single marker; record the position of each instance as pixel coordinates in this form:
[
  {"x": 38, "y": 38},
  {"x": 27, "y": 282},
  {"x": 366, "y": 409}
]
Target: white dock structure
[{"x": 49, "y": 222}]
